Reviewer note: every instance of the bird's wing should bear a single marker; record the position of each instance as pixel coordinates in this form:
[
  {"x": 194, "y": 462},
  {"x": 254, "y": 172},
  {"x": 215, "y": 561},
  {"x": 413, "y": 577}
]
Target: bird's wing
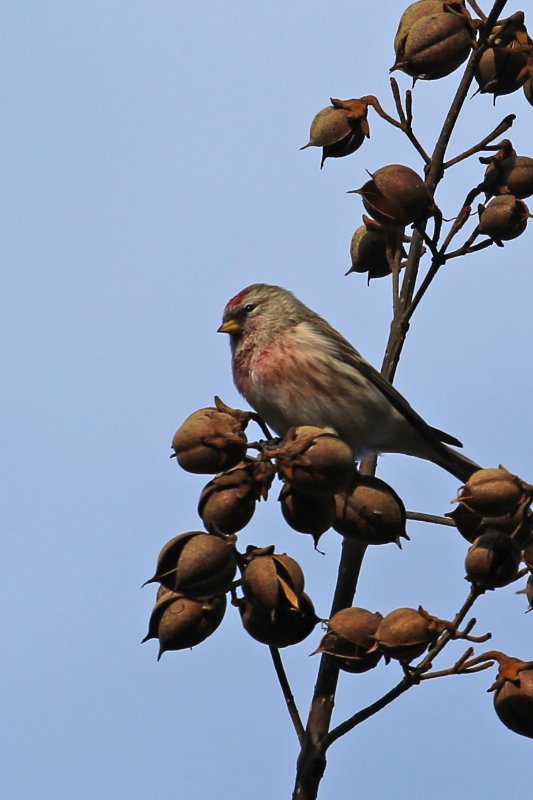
[{"x": 348, "y": 355}]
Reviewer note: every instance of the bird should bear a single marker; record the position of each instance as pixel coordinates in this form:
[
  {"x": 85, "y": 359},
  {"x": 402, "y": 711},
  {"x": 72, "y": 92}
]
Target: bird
[{"x": 295, "y": 369}]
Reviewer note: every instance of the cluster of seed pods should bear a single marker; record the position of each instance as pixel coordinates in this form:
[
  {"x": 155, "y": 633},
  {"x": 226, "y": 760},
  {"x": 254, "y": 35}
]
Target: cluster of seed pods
[{"x": 433, "y": 39}]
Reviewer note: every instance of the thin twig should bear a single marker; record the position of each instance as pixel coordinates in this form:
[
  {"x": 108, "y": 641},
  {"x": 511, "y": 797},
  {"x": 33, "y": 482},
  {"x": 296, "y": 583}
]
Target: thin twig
[
  {"x": 463, "y": 251},
  {"x": 287, "y": 694},
  {"x": 418, "y": 516},
  {"x": 504, "y": 125}
]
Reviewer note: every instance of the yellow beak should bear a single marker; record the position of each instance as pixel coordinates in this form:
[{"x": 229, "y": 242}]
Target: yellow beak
[{"x": 230, "y": 326}]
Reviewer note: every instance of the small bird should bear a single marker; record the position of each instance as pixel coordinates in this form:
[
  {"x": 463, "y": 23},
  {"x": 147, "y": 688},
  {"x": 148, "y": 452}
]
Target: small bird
[{"x": 294, "y": 368}]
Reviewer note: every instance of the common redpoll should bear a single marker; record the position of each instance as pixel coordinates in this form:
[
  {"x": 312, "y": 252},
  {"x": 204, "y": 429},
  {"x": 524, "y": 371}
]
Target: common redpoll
[{"x": 295, "y": 369}]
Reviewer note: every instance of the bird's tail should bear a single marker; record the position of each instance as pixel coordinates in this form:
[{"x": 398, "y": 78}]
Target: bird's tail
[{"x": 457, "y": 464}]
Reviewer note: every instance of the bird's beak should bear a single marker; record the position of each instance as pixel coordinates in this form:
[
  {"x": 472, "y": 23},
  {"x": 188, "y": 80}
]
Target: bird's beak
[{"x": 230, "y": 326}]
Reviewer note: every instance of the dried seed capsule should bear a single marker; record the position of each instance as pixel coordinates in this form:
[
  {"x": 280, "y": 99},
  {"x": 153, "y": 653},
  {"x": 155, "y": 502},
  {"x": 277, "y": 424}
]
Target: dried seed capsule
[
  {"x": 414, "y": 12},
  {"x": 504, "y": 218},
  {"x": 282, "y": 627},
  {"x": 350, "y": 637},
  {"x": 508, "y": 173},
  {"x": 307, "y": 513},
  {"x": 513, "y": 700},
  {"x": 328, "y": 127},
  {"x": 315, "y": 460},
  {"x": 180, "y": 622},
  {"x": 405, "y": 633},
  {"x": 340, "y": 129},
  {"x": 271, "y": 579},
  {"x": 492, "y": 560},
  {"x": 470, "y": 524},
  {"x": 493, "y": 492},
  {"x": 396, "y": 195},
  {"x": 434, "y": 46},
  {"x": 501, "y": 70},
  {"x": 211, "y": 439},
  {"x": 227, "y": 503},
  {"x": 372, "y": 512},
  {"x": 196, "y": 563},
  {"x": 345, "y": 147}
]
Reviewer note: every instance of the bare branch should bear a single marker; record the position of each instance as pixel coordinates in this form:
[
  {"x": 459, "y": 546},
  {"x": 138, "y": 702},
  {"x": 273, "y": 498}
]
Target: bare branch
[{"x": 287, "y": 694}]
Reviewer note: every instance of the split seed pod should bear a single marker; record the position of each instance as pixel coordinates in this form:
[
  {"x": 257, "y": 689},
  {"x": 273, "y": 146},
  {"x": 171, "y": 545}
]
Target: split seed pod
[
  {"x": 492, "y": 560},
  {"x": 372, "y": 512},
  {"x": 432, "y": 45},
  {"x": 501, "y": 70},
  {"x": 340, "y": 129},
  {"x": 369, "y": 246},
  {"x": 493, "y": 492},
  {"x": 406, "y": 633},
  {"x": 509, "y": 173},
  {"x": 283, "y": 627},
  {"x": 227, "y": 503},
  {"x": 271, "y": 579},
  {"x": 211, "y": 439},
  {"x": 504, "y": 218},
  {"x": 196, "y": 563},
  {"x": 180, "y": 622},
  {"x": 396, "y": 195},
  {"x": 513, "y": 699},
  {"x": 315, "y": 460},
  {"x": 349, "y": 637},
  {"x": 470, "y": 524},
  {"x": 307, "y": 513}
]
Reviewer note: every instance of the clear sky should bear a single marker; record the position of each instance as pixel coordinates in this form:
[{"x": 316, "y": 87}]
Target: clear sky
[{"x": 151, "y": 170}]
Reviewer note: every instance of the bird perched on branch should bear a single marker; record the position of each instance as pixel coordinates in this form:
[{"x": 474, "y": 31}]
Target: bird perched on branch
[{"x": 294, "y": 368}]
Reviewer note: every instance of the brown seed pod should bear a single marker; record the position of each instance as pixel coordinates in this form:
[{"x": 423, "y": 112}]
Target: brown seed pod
[
  {"x": 414, "y": 12},
  {"x": 470, "y": 524},
  {"x": 406, "y": 633},
  {"x": 349, "y": 637},
  {"x": 501, "y": 70},
  {"x": 180, "y": 622},
  {"x": 315, "y": 460},
  {"x": 372, "y": 512},
  {"x": 434, "y": 45},
  {"x": 282, "y": 627},
  {"x": 368, "y": 252},
  {"x": 504, "y": 218},
  {"x": 307, "y": 513},
  {"x": 211, "y": 439},
  {"x": 345, "y": 147},
  {"x": 492, "y": 560},
  {"x": 196, "y": 563},
  {"x": 493, "y": 492},
  {"x": 373, "y": 247},
  {"x": 513, "y": 699},
  {"x": 328, "y": 127},
  {"x": 396, "y": 195},
  {"x": 227, "y": 503},
  {"x": 508, "y": 173},
  {"x": 340, "y": 129},
  {"x": 272, "y": 579}
]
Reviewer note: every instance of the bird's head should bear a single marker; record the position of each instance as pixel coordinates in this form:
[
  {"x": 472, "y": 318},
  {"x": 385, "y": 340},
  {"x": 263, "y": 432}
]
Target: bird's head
[{"x": 259, "y": 308}]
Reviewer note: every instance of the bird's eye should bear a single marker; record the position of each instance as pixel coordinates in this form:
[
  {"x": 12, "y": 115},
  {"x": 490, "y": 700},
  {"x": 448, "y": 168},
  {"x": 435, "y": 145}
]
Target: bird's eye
[{"x": 249, "y": 307}]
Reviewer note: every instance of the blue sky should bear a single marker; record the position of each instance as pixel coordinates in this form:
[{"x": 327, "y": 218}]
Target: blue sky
[{"x": 151, "y": 168}]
